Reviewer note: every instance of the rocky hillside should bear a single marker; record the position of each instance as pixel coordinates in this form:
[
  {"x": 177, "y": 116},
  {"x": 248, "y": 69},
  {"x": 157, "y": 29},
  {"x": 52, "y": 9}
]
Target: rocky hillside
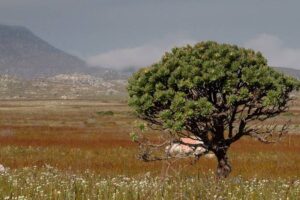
[{"x": 63, "y": 86}]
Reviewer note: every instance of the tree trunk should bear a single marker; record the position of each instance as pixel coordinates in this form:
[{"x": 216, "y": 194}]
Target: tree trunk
[{"x": 224, "y": 168}]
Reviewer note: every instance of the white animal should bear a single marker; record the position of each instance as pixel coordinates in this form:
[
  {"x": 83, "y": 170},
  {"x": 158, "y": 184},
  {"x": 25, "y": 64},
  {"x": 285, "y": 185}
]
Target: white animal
[{"x": 186, "y": 147}]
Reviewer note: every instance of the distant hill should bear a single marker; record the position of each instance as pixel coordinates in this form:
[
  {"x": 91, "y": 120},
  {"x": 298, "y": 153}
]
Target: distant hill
[
  {"x": 292, "y": 72},
  {"x": 26, "y": 55}
]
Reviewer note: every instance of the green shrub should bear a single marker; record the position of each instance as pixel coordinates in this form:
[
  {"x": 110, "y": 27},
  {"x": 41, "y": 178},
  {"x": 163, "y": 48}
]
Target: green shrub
[{"x": 101, "y": 113}]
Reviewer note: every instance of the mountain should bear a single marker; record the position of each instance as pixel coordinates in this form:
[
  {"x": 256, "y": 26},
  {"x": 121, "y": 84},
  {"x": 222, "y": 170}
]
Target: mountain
[{"x": 26, "y": 55}]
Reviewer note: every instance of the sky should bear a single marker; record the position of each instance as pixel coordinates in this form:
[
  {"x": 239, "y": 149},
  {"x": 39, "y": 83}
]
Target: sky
[{"x": 119, "y": 34}]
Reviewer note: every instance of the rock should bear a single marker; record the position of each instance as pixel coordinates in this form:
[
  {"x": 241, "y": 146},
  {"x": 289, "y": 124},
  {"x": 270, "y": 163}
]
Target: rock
[
  {"x": 210, "y": 155},
  {"x": 2, "y": 168}
]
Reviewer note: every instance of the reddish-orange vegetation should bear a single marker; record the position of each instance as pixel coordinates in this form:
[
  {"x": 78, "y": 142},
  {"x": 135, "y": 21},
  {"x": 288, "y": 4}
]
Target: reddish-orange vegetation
[
  {"x": 63, "y": 137},
  {"x": 76, "y": 137}
]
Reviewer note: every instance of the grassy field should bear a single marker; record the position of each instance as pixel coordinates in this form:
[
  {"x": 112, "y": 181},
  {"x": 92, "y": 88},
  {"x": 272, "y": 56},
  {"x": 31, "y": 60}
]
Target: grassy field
[{"x": 81, "y": 150}]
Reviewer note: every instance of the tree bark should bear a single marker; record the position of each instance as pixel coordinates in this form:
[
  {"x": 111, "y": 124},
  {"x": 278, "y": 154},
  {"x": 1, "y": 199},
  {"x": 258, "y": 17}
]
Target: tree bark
[{"x": 224, "y": 168}]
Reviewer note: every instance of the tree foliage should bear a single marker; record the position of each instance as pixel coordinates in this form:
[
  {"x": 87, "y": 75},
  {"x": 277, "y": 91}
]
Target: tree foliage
[{"x": 212, "y": 91}]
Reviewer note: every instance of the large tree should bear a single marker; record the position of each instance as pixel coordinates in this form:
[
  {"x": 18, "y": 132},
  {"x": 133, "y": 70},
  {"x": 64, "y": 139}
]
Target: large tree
[{"x": 216, "y": 92}]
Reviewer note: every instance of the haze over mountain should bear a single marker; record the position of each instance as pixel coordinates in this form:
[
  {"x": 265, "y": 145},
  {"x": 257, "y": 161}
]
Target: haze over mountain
[
  {"x": 31, "y": 68},
  {"x": 26, "y": 55}
]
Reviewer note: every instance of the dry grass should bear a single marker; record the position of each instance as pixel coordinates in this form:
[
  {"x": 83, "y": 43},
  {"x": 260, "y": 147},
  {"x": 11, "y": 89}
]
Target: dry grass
[{"x": 81, "y": 135}]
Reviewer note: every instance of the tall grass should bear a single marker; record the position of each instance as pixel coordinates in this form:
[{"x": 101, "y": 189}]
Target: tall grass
[{"x": 49, "y": 183}]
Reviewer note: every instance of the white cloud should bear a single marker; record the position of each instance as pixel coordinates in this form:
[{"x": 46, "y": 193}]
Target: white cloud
[
  {"x": 274, "y": 50},
  {"x": 271, "y": 46},
  {"x": 139, "y": 56}
]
